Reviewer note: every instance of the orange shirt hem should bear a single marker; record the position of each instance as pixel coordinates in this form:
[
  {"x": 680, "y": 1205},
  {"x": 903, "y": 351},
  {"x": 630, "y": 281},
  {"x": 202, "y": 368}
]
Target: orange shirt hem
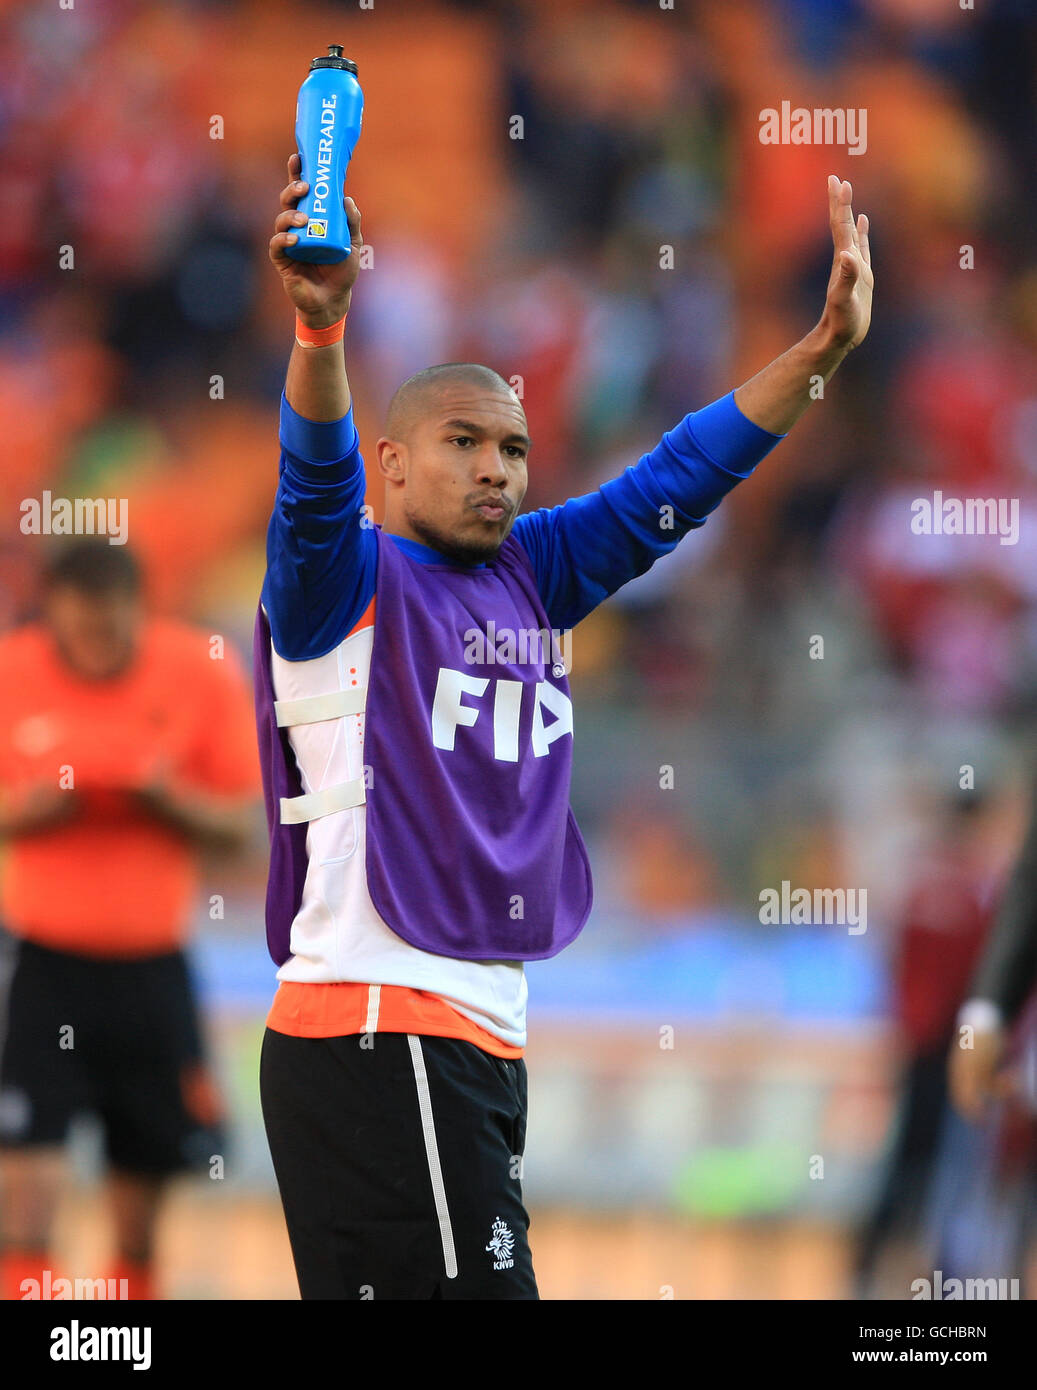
[{"x": 340, "y": 1008}]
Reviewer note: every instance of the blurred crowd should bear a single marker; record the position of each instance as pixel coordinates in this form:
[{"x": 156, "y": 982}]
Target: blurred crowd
[{"x": 143, "y": 340}]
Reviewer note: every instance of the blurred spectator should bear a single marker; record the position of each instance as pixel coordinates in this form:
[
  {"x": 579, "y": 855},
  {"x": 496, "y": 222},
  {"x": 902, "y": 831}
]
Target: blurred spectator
[
  {"x": 946, "y": 918},
  {"x": 126, "y": 744}
]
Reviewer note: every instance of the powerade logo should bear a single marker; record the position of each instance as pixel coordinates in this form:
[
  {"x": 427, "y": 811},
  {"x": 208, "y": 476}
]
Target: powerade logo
[
  {"x": 322, "y": 180},
  {"x": 315, "y": 228}
]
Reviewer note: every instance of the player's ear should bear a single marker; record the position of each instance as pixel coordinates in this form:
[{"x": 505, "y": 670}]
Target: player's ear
[{"x": 390, "y": 459}]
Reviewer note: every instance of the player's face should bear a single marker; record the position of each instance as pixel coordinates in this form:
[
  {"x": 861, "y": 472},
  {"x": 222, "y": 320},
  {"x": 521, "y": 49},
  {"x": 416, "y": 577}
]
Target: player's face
[
  {"x": 464, "y": 469},
  {"x": 96, "y": 634}
]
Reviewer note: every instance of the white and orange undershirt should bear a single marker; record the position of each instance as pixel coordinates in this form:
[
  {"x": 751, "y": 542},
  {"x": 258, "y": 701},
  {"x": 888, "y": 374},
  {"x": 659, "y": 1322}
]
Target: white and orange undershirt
[{"x": 349, "y": 972}]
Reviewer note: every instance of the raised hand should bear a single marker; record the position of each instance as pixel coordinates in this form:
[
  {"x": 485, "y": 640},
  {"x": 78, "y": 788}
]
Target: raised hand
[
  {"x": 320, "y": 293},
  {"x": 847, "y": 312}
]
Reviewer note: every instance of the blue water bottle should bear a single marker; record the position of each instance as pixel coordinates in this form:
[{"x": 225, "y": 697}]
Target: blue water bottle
[{"x": 328, "y": 116}]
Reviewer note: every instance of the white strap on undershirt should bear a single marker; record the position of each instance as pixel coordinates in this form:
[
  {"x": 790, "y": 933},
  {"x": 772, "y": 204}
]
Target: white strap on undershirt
[
  {"x": 313, "y": 709},
  {"x": 343, "y": 797}
]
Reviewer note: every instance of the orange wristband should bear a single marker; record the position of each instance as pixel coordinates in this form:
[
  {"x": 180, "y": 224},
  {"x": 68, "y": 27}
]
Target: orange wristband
[{"x": 319, "y": 337}]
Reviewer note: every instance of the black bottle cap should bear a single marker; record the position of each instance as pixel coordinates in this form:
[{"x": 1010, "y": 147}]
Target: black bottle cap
[{"x": 334, "y": 60}]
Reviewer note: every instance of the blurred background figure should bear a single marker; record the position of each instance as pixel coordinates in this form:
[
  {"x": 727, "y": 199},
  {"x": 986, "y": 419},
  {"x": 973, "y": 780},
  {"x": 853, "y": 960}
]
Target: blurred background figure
[
  {"x": 946, "y": 918},
  {"x": 996, "y": 1012},
  {"x": 126, "y": 744},
  {"x": 986, "y": 1201},
  {"x": 147, "y": 136}
]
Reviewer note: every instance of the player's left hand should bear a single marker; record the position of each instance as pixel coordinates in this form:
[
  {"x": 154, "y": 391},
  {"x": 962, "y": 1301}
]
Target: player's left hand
[{"x": 847, "y": 314}]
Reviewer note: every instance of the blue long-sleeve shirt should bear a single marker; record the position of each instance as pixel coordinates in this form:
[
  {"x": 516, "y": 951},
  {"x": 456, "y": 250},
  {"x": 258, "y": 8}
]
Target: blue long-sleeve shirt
[{"x": 321, "y": 560}]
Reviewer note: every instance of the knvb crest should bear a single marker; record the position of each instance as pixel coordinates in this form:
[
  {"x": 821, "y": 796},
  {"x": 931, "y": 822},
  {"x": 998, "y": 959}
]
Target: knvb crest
[{"x": 501, "y": 1245}]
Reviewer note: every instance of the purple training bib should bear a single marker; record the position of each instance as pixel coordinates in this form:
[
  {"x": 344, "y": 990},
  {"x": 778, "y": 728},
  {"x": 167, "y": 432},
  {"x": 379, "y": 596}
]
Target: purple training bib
[{"x": 473, "y": 851}]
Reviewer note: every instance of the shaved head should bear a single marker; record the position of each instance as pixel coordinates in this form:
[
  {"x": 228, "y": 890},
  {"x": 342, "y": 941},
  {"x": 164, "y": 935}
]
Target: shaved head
[
  {"x": 420, "y": 393},
  {"x": 454, "y": 460}
]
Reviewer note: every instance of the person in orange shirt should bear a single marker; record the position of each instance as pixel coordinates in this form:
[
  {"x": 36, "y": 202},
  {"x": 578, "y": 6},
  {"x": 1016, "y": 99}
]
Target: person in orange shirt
[{"x": 126, "y": 745}]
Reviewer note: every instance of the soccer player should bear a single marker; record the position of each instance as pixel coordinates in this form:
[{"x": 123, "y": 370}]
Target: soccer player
[
  {"x": 124, "y": 747},
  {"x": 416, "y": 738}
]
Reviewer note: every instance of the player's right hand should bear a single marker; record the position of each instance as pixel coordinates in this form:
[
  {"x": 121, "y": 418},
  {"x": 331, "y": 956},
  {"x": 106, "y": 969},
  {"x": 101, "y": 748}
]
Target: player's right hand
[{"x": 320, "y": 293}]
